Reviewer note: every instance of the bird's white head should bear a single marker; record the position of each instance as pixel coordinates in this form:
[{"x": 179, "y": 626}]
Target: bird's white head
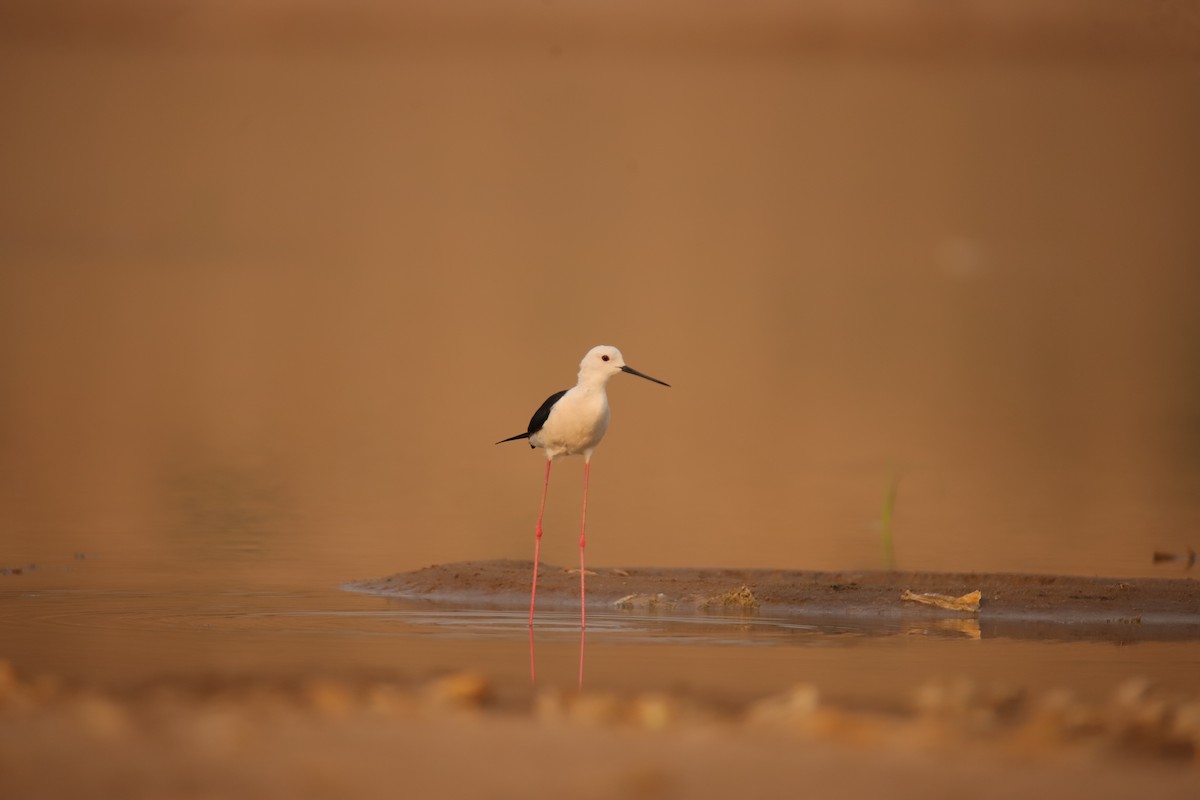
[{"x": 602, "y": 362}]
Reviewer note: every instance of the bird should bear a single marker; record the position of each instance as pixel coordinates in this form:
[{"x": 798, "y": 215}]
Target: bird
[{"x": 572, "y": 423}]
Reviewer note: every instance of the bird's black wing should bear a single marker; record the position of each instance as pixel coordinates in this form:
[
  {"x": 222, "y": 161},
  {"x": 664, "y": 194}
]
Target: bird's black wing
[
  {"x": 542, "y": 414},
  {"x": 539, "y": 418}
]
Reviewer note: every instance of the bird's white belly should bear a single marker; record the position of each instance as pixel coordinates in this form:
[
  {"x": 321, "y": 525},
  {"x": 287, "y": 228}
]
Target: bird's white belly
[{"x": 575, "y": 426}]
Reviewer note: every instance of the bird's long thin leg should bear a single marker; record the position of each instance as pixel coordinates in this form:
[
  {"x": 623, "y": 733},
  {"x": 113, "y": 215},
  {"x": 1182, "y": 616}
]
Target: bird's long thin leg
[
  {"x": 587, "y": 466},
  {"x": 582, "y": 640},
  {"x": 532, "y": 659},
  {"x": 537, "y": 542}
]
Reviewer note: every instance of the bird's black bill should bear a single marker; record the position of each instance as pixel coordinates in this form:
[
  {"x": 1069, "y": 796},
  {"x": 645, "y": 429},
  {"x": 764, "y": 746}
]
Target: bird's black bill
[{"x": 633, "y": 371}]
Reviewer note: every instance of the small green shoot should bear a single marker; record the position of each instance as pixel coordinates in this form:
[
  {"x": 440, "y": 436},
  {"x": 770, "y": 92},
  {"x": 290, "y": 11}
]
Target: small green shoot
[{"x": 885, "y": 521}]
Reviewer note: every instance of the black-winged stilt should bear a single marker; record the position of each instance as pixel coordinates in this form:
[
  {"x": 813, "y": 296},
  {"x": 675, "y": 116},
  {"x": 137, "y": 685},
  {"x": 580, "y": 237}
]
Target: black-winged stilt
[{"x": 571, "y": 423}]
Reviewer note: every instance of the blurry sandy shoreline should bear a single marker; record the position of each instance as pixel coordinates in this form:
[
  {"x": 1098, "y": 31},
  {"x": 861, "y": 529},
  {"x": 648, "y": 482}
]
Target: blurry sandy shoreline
[{"x": 262, "y": 737}]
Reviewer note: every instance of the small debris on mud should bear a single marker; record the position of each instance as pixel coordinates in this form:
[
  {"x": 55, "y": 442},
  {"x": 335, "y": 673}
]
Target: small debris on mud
[
  {"x": 738, "y": 598},
  {"x": 645, "y": 602},
  {"x": 1162, "y": 557},
  {"x": 741, "y": 598},
  {"x": 967, "y": 602}
]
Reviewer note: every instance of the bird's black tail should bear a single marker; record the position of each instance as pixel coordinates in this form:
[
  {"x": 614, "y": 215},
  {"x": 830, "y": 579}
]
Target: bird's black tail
[{"x": 514, "y": 438}]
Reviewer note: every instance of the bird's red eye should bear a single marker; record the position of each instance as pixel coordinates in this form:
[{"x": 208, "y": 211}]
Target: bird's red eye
[{"x": 604, "y": 358}]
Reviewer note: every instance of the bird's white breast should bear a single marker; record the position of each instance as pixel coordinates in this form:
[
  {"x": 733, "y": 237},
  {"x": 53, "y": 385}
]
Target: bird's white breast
[{"x": 576, "y": 423}]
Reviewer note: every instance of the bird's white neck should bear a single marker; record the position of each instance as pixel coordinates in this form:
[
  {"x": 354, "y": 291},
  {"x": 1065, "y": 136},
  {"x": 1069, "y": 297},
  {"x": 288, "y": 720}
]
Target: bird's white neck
[{"x": 589, "y": 380}]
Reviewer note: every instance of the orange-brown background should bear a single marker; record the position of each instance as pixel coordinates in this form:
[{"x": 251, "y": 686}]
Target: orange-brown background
[{"x": 274, "y": 277}]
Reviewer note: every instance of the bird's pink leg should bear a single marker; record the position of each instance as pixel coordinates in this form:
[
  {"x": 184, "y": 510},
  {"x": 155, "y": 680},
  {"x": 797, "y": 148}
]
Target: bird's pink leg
[
  {"x": 537, "y": 542},
  {"x": 582, "y": 639},
  {"x": 532, "y": 659},
  {"x": 587, "y": 466}
]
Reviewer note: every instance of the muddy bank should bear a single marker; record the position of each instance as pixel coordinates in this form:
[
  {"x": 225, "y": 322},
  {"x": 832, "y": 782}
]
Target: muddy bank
[{"x": 1156, "y": 607}]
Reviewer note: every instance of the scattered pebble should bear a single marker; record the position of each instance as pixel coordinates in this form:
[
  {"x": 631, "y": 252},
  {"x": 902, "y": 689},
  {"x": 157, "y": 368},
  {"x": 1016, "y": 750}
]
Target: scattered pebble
[
  {"x": 331, "y": 698},
  {"x": 655, "y": 711},
  {"x": 795, "y": 705},
  {"x": 651, "y": 711},
  {"x": 591, "y": 708},
  {"x": 460, "y": 690},
  {"x": 741, "y": 598},
  {"x": 101, "y": 716},
  {"x": 645, "y": 602},
  {"x": 387, "y": 700}
]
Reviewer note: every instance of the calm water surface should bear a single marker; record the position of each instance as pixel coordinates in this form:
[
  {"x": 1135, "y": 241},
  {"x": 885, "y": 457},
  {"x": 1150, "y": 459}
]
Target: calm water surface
[{"x": 116, "y": 621}]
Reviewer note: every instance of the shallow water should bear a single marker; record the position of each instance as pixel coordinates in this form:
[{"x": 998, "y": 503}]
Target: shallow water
[{"x": 77, "y": 621}]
